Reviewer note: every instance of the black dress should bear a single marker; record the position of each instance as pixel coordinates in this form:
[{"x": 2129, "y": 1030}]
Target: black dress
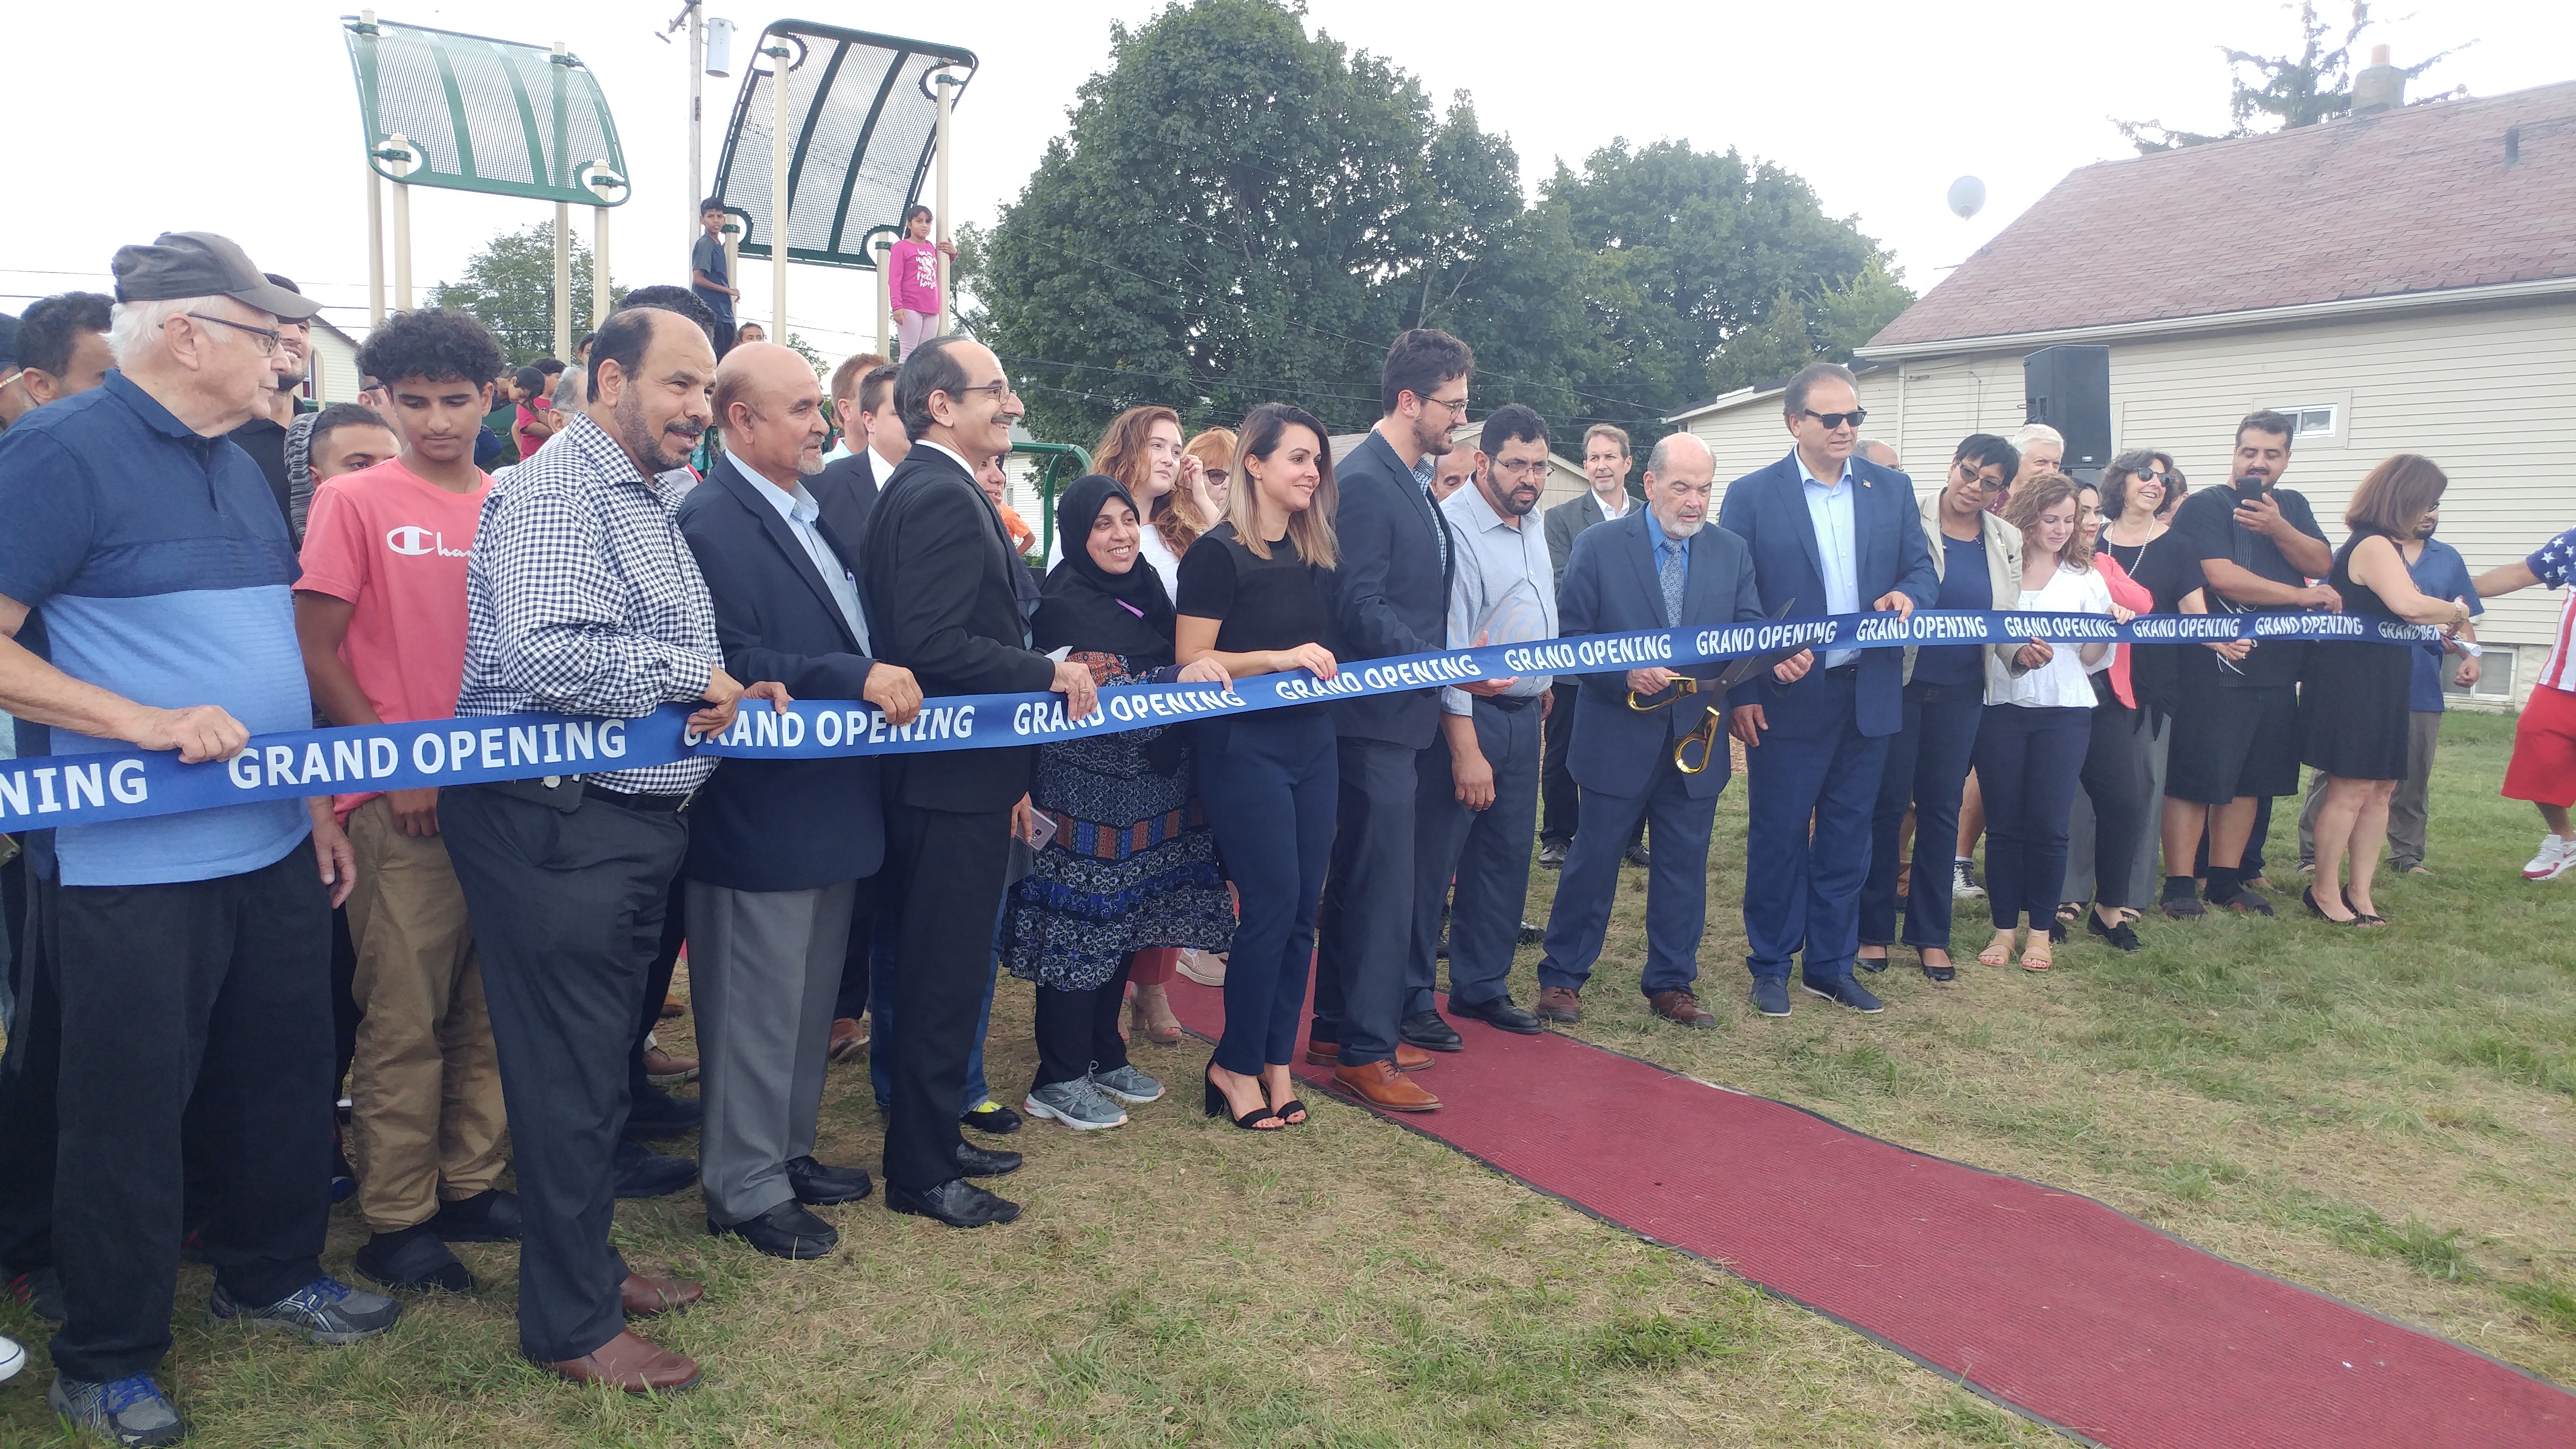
[{"x": 2353, "y": 696}]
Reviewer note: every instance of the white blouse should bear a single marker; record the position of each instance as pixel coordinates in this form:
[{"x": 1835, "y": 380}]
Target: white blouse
[{"x": 2063, "y": 682}]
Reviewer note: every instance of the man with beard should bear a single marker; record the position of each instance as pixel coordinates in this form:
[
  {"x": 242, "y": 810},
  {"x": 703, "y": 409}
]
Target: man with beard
[
  {"x": 582, "y": 597},
  {"x": 1390, "y": 597},
  {"x": 1661, "y": 567},
  {"x": 1479, "y": 790}
]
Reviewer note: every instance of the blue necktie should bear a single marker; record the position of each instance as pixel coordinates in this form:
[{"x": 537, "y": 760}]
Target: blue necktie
[{"x": 1672, "y": 577}]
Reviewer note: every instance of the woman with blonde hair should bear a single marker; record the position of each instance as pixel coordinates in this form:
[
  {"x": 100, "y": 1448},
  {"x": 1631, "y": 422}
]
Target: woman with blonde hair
[
  {"x": 2038, "y": 723},
  {"x": 2353, "y": 700}
]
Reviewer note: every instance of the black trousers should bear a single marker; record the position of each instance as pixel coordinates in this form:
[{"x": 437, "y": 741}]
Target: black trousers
[
  {"x": 28, "y": 1076},
  {"x": 2119, "y": 778},
  {"x": 1367, "y": 923},
  {"x": 657, "y": 981},
  {"x": 1558, "y": 799},
  {"x": 853, "y": 999},
  {"x": 1077, "y": 1031},
  {"x": 946, "y": 870},
  {"x": 207, "y": 994},
  {"x": 567, "y": 914}
]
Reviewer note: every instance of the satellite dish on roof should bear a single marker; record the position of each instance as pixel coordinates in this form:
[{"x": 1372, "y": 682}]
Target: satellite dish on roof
[{"x": 1967, "y": 197}]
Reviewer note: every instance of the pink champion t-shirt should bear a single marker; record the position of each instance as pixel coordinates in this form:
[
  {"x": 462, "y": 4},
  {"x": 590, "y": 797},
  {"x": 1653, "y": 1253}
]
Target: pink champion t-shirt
[
  {"x": 914, "y": 275},
  {"x": 393, "y": 544}
]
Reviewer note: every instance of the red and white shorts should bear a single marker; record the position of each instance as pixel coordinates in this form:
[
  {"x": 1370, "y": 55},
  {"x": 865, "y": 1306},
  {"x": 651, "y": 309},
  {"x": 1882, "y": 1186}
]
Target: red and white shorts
[{"x": 2543, "y": 770}]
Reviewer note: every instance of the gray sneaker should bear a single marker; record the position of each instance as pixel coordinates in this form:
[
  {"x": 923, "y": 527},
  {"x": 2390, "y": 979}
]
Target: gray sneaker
[
  {"x": 1077, "y": 1104},
  {"x": 325, "y": 1310},
  {"x": 122, "y": 1411},
  {"x": 1128, "y": 1085}
]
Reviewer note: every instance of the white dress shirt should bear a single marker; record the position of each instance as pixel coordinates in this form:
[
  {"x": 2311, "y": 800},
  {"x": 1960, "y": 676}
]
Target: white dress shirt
[{"x": 1831, "y": 510}]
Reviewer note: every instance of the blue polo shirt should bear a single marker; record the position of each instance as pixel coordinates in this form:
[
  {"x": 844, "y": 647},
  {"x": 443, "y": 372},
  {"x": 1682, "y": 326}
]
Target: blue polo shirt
[
  {"x": 2439, "y": 573},
  {"x": 159, "y": 569}
]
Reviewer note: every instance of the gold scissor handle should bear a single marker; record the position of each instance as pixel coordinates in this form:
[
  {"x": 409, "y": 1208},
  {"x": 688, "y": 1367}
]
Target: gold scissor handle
[
  {"x": 1706, "y": 737},
  {"x": 1672, "y": 693}
]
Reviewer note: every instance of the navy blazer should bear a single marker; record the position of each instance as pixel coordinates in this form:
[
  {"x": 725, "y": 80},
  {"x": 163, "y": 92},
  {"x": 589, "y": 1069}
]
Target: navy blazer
[
  {"x": 1388, "y": 595},
  {"x": 1613, "y": 587},
  {"x": 1768, "y": 510},
  {"x": 777, "y": 825}
]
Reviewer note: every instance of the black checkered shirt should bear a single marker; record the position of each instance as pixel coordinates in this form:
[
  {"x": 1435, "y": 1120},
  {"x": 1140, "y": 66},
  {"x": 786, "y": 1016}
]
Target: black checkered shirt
[{"x": 582, "y": 597}]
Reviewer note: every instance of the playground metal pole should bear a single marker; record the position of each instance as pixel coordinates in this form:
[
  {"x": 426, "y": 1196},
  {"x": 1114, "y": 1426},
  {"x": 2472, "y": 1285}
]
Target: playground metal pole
[
  {"x": 947, "y": 84},
  {"x": 779, "y": 55}
]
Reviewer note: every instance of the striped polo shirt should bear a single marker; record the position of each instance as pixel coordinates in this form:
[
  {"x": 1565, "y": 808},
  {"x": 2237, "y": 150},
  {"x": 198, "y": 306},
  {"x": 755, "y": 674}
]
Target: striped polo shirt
[{"x": 158, "y": 567}]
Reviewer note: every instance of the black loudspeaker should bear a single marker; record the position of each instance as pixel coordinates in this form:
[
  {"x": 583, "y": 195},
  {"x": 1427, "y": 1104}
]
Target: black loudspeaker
[{"x": 2069, "y": 388}]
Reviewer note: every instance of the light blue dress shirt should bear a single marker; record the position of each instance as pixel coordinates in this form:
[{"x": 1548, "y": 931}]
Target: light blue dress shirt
[
  {"x": 800, "y": 510},
  {"x": 1498, "y": 561},
  {"x": 1835, "y": 517}
]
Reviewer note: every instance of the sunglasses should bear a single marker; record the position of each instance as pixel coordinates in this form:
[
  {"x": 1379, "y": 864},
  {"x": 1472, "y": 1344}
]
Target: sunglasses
[
  {"x": 1836, "y": 420},
  {"x": 2155, "y": 477}
]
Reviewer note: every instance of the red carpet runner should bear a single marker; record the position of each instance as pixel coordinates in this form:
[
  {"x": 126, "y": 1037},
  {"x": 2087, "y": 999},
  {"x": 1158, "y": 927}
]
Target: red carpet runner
[{"x": 2043, "y": 1300}]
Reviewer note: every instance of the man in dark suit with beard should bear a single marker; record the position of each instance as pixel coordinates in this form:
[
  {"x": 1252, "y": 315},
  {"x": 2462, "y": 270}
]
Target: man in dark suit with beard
[{"x": 937, "y": 572}]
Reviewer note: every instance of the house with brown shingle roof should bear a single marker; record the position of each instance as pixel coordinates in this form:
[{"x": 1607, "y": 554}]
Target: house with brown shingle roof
[{"x": 2400, "y": 282}]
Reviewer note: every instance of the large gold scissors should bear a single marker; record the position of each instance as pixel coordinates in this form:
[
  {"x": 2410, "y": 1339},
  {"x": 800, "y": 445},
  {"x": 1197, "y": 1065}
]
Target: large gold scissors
[
  {"x": 1670, "y": 694},
  {"x": 1710, "y": 731}
]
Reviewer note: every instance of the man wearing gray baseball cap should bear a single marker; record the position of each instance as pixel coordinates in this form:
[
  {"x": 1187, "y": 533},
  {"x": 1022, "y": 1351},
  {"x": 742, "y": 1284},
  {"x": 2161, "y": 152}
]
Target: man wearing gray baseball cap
[{"x": 152, "y": 554}]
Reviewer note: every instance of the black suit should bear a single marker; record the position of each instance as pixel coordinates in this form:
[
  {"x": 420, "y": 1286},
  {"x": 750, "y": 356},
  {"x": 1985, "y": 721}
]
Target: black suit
[
  {"x": 1387, "y": 600},
  {"x": 846, "y": 491},
  {"x": 939, "y": 580},
  {"x": 1565, "y": 523}
]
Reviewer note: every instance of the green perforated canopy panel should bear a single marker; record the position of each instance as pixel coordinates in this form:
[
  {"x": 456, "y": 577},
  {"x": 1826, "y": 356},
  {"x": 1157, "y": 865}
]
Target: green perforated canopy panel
[
  {"x": 494, "y": 116},
  {"x": 863, "y": 123}
]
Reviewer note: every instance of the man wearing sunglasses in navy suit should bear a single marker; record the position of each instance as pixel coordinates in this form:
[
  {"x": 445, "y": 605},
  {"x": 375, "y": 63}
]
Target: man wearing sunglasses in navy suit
[{"x": 1830, "y": 534}]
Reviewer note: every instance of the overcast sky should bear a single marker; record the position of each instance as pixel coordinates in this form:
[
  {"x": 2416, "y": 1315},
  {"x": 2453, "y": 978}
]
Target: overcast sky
[{"x": 241, "y": 118}]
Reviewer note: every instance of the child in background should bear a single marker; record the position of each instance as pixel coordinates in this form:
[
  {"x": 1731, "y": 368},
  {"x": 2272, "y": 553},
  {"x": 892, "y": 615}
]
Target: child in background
[{"x": 914, "y": 280}]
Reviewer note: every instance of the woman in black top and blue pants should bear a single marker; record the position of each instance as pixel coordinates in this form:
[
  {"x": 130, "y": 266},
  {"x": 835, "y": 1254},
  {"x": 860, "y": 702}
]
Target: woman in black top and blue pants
[
  {"x": 1945, "y": 696},
  {"x": 1249, "y": 600}
]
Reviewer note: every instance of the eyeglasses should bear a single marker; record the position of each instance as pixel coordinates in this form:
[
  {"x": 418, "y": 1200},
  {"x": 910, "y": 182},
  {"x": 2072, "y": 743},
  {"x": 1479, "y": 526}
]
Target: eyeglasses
[
  {"x": 267, "y": 335},
  {"x": 1457, "y": 406},
  {"x": 999, "y": 390},
  {"x": 1524, "y": 467},
  {"x": 1835, "y": 420},
  {"x": 1215, "y": 475}
]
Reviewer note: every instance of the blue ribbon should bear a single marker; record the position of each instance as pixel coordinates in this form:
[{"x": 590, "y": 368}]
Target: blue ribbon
[{"x": 85, "y": 788}]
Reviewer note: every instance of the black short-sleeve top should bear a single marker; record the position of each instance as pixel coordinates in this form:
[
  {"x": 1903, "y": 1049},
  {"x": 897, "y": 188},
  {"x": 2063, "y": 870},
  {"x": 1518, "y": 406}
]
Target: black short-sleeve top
[{"x": 1260, "y": 604}]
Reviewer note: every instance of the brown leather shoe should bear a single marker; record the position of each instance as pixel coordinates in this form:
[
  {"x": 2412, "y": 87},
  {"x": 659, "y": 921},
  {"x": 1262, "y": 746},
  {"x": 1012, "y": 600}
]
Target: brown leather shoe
[
  {"x": 664, "y": 1069},
  {"x": 1683, "y": 1009},
  {"x": 848, "y": 1039},
  {"x": 1560, "y": 1004},
  {"x": 1380, "y": 1085},
  {"x": 644, "y": 1297},
  {"x": 1408, "y": 1058},
  {"x": 629, "y": 1363}
]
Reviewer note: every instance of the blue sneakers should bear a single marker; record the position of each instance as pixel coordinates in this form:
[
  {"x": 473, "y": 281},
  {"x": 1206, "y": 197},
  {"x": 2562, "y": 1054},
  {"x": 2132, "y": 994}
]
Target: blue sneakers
[
  {"x": 1845, "y": 992},
  {"x": 325, "y": 1310},
  {"x": 1770, "y": 996},
  {"x": 125, "y": 1411}
]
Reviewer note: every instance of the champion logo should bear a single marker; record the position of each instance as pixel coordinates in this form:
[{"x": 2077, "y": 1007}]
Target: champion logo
[{"x": 415, "y": 542}]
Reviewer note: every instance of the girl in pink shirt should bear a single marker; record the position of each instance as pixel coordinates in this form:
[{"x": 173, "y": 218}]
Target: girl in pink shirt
[{"x": 913, "y": 280}]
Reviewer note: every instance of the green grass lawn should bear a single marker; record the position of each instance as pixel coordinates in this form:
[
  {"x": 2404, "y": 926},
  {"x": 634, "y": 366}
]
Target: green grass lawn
[{"x": 2388, "y": 1116}]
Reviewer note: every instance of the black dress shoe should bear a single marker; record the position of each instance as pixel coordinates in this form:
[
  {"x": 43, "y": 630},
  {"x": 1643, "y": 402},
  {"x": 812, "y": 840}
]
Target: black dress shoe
[
  {"x": 1531, "y": 932},
  {"x": 413, "y": 1260},
  {"x": 656, "y": 1113},
  {"x": 974, "y": 1161},
  {"x": 785, "y": 1231},
  {"x": 489, "y": 1216},
  {"x": 820, "y": 1185},
  {"x": 1498, "y": 1013},
  {"x": 1428, "y": 1031},
  {"x": 956, "y": 1202},
  {"x": 1636, "y": 855},
  {"x": 1551, "y": 855},
  {"x": 644, "y": 1173}
]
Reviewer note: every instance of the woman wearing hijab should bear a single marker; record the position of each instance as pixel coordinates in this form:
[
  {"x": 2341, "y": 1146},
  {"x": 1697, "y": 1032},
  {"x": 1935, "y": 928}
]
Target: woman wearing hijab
[{"x": 1131, "y": 866}]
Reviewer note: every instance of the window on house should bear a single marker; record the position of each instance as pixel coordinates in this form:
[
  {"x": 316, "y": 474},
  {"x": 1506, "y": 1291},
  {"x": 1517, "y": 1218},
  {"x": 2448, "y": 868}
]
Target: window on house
[
  {"x": 2315, "y": 420},
  {"x": 2495, "y": 674}
]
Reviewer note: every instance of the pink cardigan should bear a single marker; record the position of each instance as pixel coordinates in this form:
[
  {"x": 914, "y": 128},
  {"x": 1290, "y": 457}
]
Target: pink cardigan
[{"x": 2129, "y": 594}]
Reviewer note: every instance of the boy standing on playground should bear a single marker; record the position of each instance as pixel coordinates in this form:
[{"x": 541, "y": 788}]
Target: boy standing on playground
[
  {"x": 707, "y": 276},
  {"x": 380, "y": 613}
]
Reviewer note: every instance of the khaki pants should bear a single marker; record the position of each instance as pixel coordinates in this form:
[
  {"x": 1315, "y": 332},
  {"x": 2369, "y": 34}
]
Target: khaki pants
[{"x": 425, "y": 1112}]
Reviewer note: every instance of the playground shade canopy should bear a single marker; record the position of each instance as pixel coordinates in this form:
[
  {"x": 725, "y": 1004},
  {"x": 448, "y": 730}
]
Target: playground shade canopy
[
  {"x": 495, "y": 116},
  {"x": 863, "y": 122}
]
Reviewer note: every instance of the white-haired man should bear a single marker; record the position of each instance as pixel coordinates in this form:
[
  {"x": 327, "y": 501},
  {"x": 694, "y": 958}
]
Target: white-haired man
[{"x": 187, "y": 956}]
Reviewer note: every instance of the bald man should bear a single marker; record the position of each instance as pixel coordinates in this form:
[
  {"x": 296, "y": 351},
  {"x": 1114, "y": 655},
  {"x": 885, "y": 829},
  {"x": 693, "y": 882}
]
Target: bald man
[{"x": 777, "y": 848}]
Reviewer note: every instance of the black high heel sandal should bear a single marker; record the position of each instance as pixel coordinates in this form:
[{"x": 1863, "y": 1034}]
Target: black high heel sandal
[
  {"x": 1291, "y": 1105},
  {"x": 1218, "y": 1106}
]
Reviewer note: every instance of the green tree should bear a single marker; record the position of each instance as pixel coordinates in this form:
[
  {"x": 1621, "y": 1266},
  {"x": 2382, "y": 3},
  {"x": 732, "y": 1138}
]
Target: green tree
[
  {"x": 1704, "y": 272},
  {"x": 2282, "y": 91},
  {"x": 1241, "y": 211},
  {"x": 510, "y": 286}
]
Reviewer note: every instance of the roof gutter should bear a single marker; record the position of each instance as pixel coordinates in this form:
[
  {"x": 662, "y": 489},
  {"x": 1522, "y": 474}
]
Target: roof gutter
[
  {"x": 1723, "y": 401},
  {"x": 2225, "y": 321}
]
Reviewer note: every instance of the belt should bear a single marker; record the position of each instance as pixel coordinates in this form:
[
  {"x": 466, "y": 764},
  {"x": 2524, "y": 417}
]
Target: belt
[
  {"x": 1511, "y": 704},
  {"x": 656, "y": 804}
]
